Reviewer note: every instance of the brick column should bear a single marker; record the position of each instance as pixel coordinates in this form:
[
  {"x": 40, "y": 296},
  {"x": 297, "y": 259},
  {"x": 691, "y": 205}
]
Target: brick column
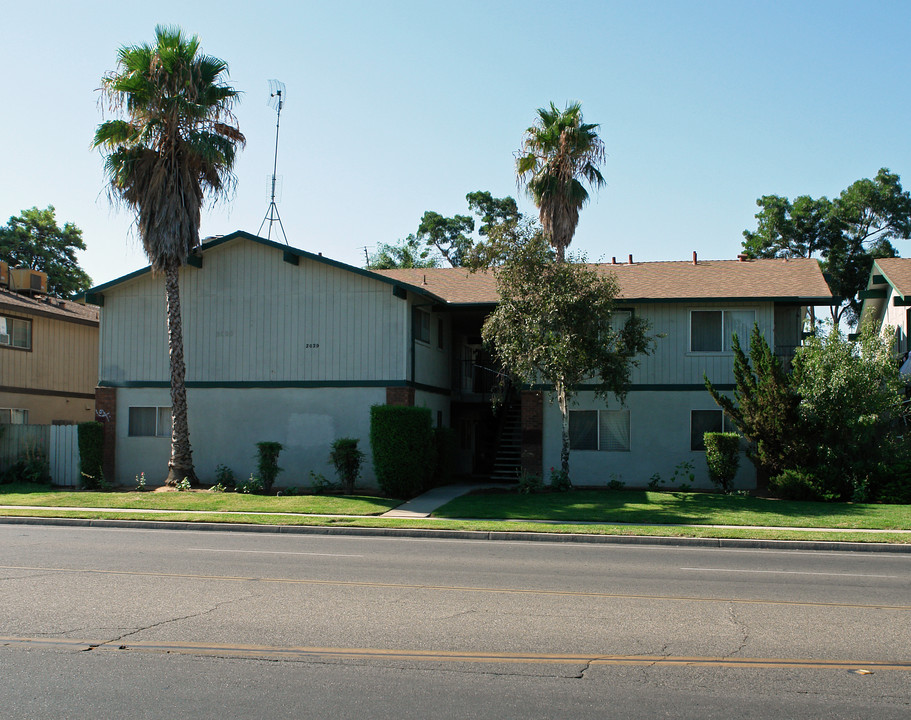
[
  {"x": 532, "y": 431},
  {"x": 400, "y": 396},
  {"x": 106, "y": 414}
]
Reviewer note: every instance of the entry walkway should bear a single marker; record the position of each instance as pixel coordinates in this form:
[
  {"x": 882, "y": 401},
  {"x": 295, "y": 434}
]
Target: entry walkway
[{"x": 423, "y": 505}]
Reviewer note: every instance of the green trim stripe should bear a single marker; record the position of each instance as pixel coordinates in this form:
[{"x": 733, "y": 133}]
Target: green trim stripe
[{"x": 226, "y": 385}]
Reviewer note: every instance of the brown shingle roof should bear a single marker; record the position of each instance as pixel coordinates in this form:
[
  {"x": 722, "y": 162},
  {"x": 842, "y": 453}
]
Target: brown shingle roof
[
  {"x": 48, "y": 307},
  {"x": 898, "y": 273},
  {"x": 798, "y": 279}
]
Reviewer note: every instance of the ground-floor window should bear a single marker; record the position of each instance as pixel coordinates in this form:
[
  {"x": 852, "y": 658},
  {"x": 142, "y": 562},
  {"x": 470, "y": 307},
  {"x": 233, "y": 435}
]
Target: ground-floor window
[
  {"x": 703, "y": 421},
  {"x": 150, "y": 422},
  {"x": 13, "y": 416},
  {"x": 606, "y": 430}
]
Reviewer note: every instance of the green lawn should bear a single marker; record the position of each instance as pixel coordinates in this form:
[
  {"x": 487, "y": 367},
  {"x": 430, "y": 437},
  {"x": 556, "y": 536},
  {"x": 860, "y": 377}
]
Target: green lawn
[
  {"x": 44, "y": 495},
  {"x": 674, "y": 508}
]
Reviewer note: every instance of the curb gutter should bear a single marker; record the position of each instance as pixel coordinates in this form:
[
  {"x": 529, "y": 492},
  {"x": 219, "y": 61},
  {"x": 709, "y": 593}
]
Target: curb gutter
[{"x": 492, "y": 535}]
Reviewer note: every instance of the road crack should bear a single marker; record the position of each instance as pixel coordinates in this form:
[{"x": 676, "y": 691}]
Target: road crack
[
  {"x": 167, "y": 621},
  {"x": 732, "y": 616}
]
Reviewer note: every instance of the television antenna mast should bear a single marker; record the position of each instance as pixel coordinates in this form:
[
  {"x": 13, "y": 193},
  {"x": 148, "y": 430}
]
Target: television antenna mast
[{"x": 277, "y": 95}]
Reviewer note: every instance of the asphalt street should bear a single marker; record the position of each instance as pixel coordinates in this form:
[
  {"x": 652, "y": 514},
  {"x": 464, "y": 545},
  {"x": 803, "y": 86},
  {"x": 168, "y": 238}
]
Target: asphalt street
[{"x": 143, "y": 623}]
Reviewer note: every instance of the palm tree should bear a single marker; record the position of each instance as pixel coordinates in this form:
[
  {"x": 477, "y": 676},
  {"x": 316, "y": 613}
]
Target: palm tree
[
  {"x": 558, "y": 153},
  {"x": 176, "y": 143}
]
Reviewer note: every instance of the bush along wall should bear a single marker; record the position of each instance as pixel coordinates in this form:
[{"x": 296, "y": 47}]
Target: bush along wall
[
  {"x": 722, "y": 455},
  {"x": 91, "y": 454},
  {"x": 402, "y": 442}
]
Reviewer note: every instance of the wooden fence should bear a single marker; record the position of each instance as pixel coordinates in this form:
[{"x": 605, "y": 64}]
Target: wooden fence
[{"x": 59, "y": 444}]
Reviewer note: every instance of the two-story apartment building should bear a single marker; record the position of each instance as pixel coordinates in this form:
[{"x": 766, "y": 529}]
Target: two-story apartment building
[
  {"x": 285, "y": 345},
  {"x": 887, "y": 299},
  {"x": 48, "y": 354}
]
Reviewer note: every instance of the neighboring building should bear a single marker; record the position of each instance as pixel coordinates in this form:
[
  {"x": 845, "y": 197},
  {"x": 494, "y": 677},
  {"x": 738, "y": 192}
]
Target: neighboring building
[
  {"x": 48, "y": 353},
  {"x": 887, "y": 299},
  {"x": 285, "y": 345}
]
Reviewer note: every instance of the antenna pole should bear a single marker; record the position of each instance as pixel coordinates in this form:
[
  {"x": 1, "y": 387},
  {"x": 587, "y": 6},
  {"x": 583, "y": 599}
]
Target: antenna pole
[{"x": 272, "y": 213}]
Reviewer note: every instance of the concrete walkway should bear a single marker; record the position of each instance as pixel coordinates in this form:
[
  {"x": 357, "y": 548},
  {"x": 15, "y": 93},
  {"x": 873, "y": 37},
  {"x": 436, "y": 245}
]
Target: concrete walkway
[{"x": 423, "y": 505}]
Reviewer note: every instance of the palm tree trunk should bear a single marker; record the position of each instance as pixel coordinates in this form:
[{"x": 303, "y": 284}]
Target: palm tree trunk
[{"x": 180, "y": 465}]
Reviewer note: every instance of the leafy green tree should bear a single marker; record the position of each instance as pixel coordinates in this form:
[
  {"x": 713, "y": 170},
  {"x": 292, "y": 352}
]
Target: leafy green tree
[
  {"x": 33, "y": 239},
  {"x": 407, "y": 253},
  {"x": 553, "y": 325},
  {"x": 846, "y": 234},
  {"x": 764, "y": 407},
  {"x": 175, "y": 143},
  {"x": 850, "y": 396},
  {"x": 452, "y": 237},
  {"x": 493, "y": 212},
  {"x": 559, "y": 153}
]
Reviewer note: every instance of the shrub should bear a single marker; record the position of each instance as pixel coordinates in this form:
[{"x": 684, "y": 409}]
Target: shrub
[
  {"x": 530, "y": 483},
  {"x": 253, "y": 486},
  {"x": 347, "y": 460},
  {"x": 91, "y": 454},
  {"x": 401, "y": 439},
  {"x": 32, "y": 467},
  {"x": 722, "y": 455},
  {"x": 321, "y": 485},
  {"x": 267, "y": 464},
  {"x": 559, "y": 481},
  {"x": 224, "y": 476},
  {"x": 795, "y": 485}
]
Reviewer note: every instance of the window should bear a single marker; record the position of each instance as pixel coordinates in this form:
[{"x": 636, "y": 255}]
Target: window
[
  {"x": 150, "y": 422},
  {"x": 15, "y": 332},
  {"x": 420, "y": 325},
  {"x": 605, "y": 430},
  {"x": 711, "y": 330},
  {"x": 703, "y": 421},
  {"x": 619, "y": 318},
  {"x": 13, "y": 416}
]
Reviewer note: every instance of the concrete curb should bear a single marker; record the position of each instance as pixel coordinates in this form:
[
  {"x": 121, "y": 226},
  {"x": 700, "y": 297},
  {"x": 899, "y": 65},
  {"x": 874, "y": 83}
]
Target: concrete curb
[{"x": 492, "y": 535}]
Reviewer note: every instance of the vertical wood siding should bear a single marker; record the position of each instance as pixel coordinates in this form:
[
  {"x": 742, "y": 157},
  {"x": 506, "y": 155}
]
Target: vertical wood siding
[
  {"x": 672, "y": 363},
  {"x": 64, "y": 357},
  {"x": 251, "y": 317}
]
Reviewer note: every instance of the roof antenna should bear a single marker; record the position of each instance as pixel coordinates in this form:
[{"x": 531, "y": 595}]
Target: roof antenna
[{"x": 277, "y": 96}]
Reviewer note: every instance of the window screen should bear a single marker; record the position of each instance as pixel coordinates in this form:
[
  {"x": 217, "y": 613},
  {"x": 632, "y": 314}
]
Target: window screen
[
  {"x": 583, "y": 430},
  {"x": 613, "y": 429},
  {"x": 701, "y": 422},
  {"x": 705, "y": 331}
]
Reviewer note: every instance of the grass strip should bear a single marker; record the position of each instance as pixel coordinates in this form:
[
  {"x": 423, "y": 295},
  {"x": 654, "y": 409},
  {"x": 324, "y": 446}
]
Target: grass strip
[
  {"x": 476, "y": 525},
  {"x": 671, "y": 508},
  {"x": 27, "y": 494}
]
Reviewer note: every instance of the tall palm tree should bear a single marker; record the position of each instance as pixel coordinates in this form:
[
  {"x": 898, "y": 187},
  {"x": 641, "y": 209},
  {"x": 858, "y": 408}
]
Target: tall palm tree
[
  {"x": 175, "y": 143},
  {"x": 558, "y": 153}
]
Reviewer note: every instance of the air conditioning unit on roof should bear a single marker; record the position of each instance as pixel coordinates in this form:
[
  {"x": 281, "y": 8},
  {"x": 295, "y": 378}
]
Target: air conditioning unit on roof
[{"x": 27, "y": 281}]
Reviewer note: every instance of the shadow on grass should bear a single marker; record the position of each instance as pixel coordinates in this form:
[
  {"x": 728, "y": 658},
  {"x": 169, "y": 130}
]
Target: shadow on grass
[{"x": 668, "y": 508}]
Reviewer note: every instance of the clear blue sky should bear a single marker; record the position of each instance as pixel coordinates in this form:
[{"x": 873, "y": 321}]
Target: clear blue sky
[{"x": 400, "y": 107}]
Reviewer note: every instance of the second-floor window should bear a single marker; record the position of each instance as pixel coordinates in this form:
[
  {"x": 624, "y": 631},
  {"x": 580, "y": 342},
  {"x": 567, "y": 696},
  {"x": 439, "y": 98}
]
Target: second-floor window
[
  {"x": 711, "y": 330},
  {"x": 420, "y": 325},
  {"x": 13, "y": 416},
  {"x": 15, "y": 332}
]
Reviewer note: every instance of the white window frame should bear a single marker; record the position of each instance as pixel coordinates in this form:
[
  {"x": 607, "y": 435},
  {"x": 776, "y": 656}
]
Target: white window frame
[
  {"x": 6, "y": 332},
  {"x": 162, "y": 429},
  {"x": 17, "y": 416},
  {"x": 598, "y": 444},
  {"x": 725, "y": 333}
]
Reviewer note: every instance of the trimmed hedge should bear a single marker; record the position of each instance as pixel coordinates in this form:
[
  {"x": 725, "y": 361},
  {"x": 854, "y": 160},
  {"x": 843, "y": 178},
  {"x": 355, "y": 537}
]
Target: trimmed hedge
[
  {"x": 402, "y": 442},
  {"x": 91, "y": 454},
  {"x": 722, "y": 455}
]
